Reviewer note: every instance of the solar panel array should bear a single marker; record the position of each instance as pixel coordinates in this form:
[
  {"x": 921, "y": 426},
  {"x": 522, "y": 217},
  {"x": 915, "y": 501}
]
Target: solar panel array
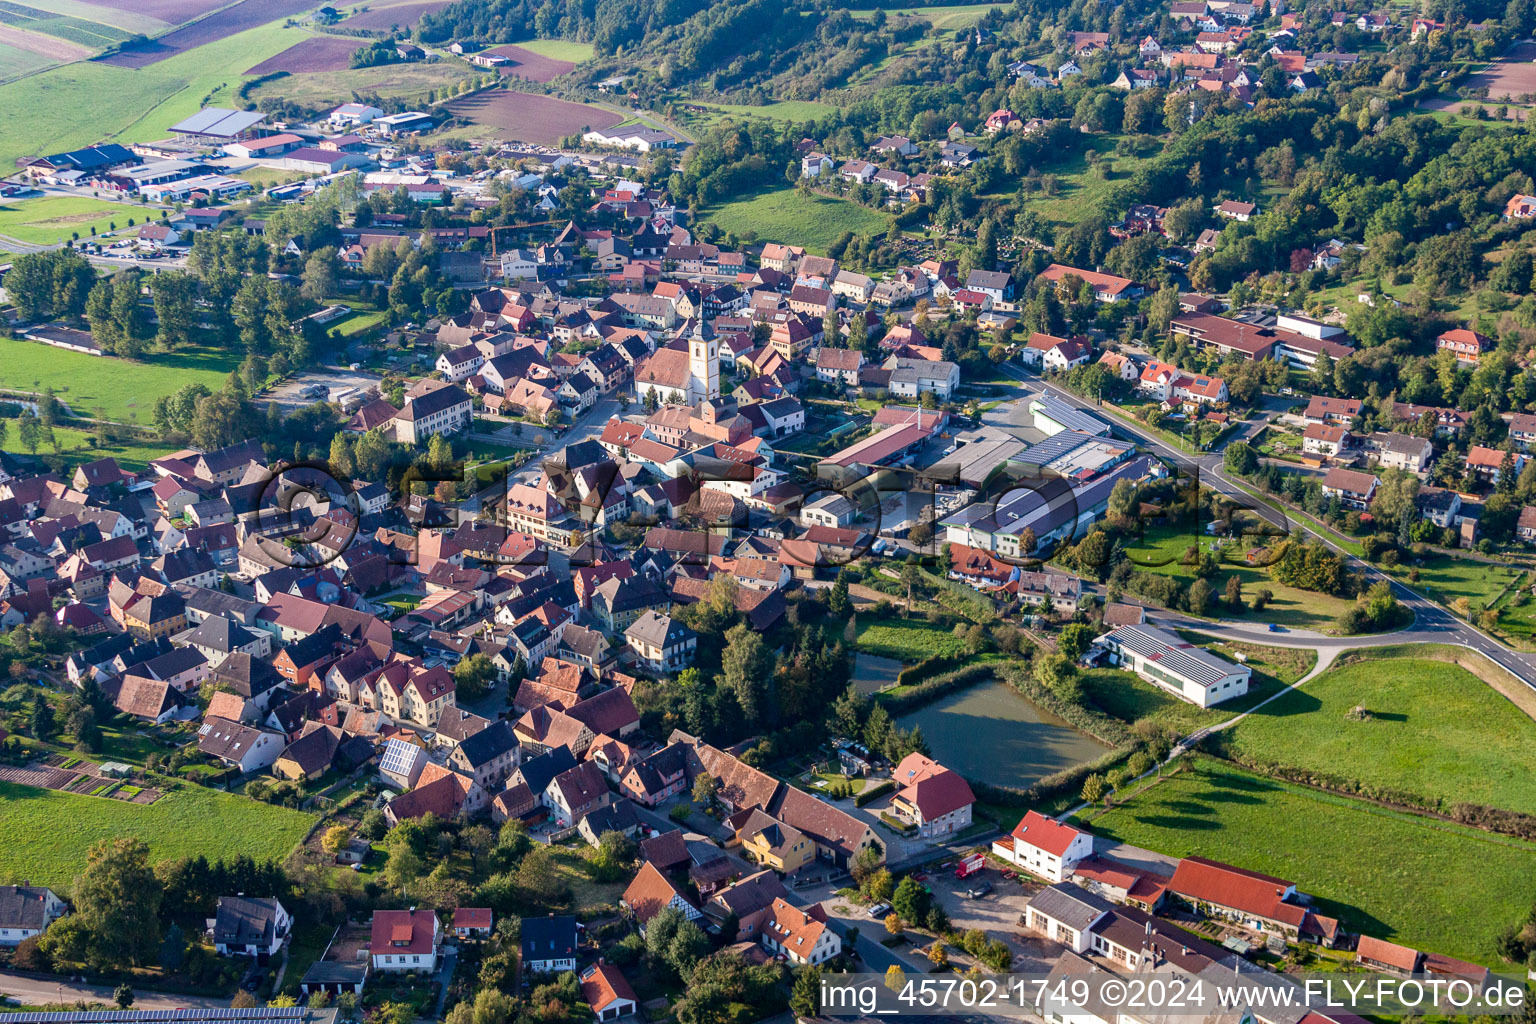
[{"x": 197, "y": 1016}]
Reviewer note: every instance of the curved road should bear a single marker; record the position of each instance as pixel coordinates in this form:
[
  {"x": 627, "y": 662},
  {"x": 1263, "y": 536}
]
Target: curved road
[{"x": 1431, "y": 622}]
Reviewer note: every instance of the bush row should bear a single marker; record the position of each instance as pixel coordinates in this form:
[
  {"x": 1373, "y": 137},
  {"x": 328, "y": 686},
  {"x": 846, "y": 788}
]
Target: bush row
[
  {"x": 934, "y": 688},
  {"x": 869, "y": 793},
  {"x": 1480, "y": 816},
  {"x": 1093, "y": 722}
]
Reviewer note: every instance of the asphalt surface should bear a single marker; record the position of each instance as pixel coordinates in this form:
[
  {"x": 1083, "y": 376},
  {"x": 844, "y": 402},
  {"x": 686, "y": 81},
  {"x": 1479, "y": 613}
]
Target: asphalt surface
[
  {"x": 1431, "y": 623},
  {"x": 39, "y": 992}
]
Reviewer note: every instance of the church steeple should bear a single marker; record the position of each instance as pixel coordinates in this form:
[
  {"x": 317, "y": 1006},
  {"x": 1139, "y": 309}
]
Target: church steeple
[{"x": 703, "y": 361}]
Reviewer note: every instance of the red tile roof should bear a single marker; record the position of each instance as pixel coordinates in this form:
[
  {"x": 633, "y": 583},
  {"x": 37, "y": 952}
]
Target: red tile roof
[
  {"x": 1045, "y": 833},
  {"x": 402, "y": 931},
  {"x": 1236, "y": 889}
]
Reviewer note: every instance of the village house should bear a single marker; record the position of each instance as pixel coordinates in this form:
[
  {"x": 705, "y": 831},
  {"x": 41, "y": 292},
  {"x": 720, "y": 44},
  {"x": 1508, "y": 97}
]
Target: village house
[
  {"x": 1044, "y": 847},
  {"x": 934, "y": 798},
  {"x": 248, "y": 926},
  {"x": 27, "y": 911}
]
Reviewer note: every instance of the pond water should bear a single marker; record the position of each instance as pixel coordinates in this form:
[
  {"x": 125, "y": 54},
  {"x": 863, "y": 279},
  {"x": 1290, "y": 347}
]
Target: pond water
[
  {"x": 992, "y": 733},
  {"x": 872, "y": 673}
]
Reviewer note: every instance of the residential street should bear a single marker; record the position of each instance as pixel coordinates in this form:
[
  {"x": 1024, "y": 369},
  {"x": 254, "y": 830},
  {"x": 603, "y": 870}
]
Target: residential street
[
  {"x": 1431, "y": 623},
  {"x": 37, "y": 992}
]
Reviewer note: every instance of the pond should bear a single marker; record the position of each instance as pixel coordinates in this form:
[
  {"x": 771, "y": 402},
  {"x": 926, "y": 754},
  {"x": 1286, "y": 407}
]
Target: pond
[
  {"x": 992, "y": 733},
  {"x": 872, "y": 673}
]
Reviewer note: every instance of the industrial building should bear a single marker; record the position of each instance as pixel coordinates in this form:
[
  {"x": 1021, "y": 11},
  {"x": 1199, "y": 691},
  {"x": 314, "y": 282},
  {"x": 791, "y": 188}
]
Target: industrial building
[{"x": 1168, "y": 662}]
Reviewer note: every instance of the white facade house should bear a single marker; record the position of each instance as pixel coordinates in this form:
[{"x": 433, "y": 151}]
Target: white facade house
[
  {"x": 519, "y": 265},
  {"x": 1044, "y": 847},
  {"x": 1165, "y": 660},
  {"x": 405, "y": 940},
  {"x": 242, "y": 926},
  {"x": 27, "y": 910}
]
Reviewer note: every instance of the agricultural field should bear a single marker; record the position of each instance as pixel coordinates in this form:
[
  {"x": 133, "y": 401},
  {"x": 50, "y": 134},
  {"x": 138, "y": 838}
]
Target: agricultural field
[
  {"x": 214, "y": 28},
  {"x": 125, "y": 391},
  {"x": 51, "y": 48},
  {"x": 560, "y": 49},
  {"x": 187, "y": 821},
  {"x": 53, "y": 218},
  {"x": 1381, "y": 873},
  {"x": 85, "y": 33},
  {"x": 530, "y": 118},
  {"x": 318, "y": 53},
  {"x": 319, "y": 89},
  {"x": 128, "y": 21},
  {"x": 383, "y": 18},
  {"x": 906, "y": 641},
  {"x": 1297, "y": 609},
  {"x": 168, "y": 12},
  {"x": 784, "y": 215},
  {"x": 16, "y": 62},
  {"x": 535, "y": 67},
  {"x": 90, "y": 102},
  {"x": 1430, "y": 728}
]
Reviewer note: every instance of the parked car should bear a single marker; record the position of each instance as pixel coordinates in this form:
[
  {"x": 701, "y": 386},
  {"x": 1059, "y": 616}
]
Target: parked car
[
  {"x": 977, "y": 892},
  {"x": 1275, "y": 628},
  {"x": 879, "y": 910}
]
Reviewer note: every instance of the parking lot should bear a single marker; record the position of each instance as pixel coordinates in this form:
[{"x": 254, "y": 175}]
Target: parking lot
[{"x": 291, "y": 393}]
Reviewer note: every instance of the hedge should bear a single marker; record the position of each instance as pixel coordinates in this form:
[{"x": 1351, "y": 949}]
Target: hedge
[
  {"x": 869, "y": 793},
  {"x": 932, "y": 689},
  {"x": 1093, "y": 722}
]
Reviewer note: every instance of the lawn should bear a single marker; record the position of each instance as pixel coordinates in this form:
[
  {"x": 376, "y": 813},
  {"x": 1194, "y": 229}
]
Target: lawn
[
  {"x": 1444, "y": 578},
  {"x": 908, "y": 642},
  {"x": 1079, "y": 190},
  {"x": 1381, "y": 873},
  {"x": 559, "y": 49},
  {"x": 266, "y": 177},
  {"x": 124, "y": 390},
  {"x": 1434, "y": 730},
  {"x": 89, "y": 102},
  {"x": 784, "y": 215},
  {"x": 319, "y": 89},
  {"x": 79, "y": 446},
  {"x": 1125, "y": 696},
  {"x": 778, "y": 110},
  {"x": 60, "y": 827},
  {"x": 942, "y": 18},
  {"x": 357, "y": 322},
  {"x": 53, "y": 218},
  {"x": 573, "y": 860},
  {"x": 1297, "y": 609}
]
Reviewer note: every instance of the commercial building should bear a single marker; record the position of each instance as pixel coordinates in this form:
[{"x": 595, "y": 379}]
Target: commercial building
[{"x": 1165, "y": 660}]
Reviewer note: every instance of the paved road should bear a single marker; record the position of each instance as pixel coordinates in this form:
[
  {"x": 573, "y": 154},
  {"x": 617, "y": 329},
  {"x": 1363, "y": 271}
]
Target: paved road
[
  {"x": 589, "y": 425},
  {"x": 37, "y": 992},
  {"x": 1431, "y": 622}
]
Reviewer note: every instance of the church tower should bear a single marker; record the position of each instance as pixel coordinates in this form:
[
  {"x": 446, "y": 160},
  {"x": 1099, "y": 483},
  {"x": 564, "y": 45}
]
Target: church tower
[{"x": 703, "y": 363}]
